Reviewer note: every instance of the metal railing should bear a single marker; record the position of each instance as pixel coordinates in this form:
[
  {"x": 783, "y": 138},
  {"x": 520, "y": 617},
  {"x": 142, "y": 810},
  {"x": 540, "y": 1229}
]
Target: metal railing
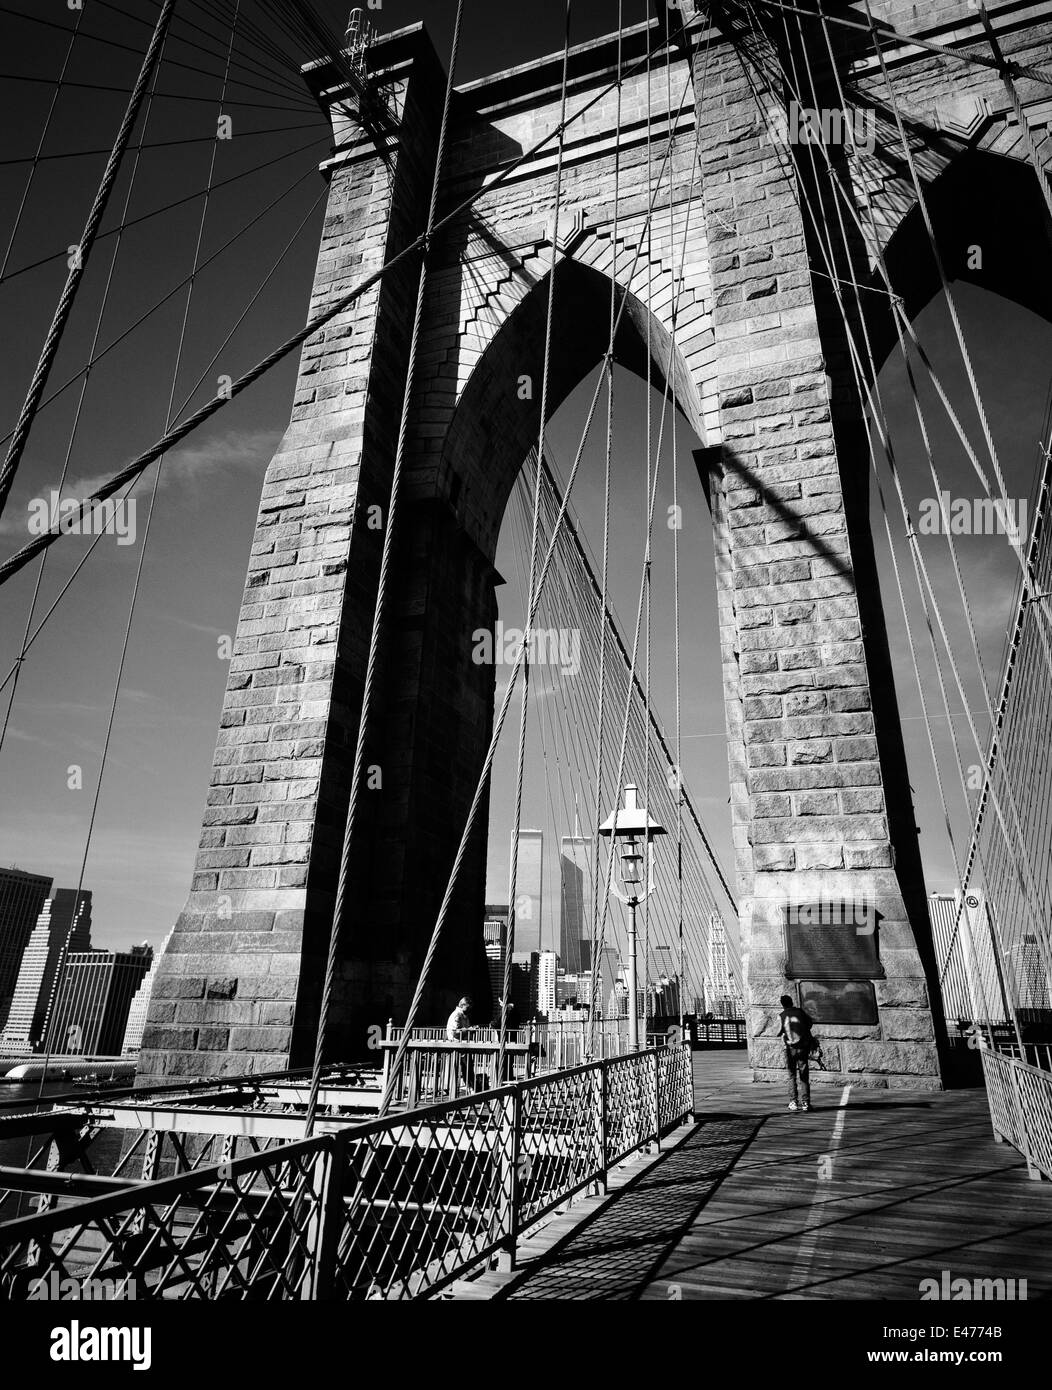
[
  {"x": 1037, "y": 1055},
  {"x": 392, "y": 1208},
  {"x": 720, "y": 1032},
  {"x": 437, "y": 1068},
  {"x": 1020, "y": 1098}
]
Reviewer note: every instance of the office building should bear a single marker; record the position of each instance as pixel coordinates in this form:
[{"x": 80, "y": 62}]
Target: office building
[
  {"x": 22, "y": 898},
  {"x": 1028, "y": 972},
  {"x": 523, "y": 986},
  {"x": 575, "y": 902},
  {"x": 93, "y": 1000},
  {"x": 63, "y": 927},
  {"x": 529, "y": 888},
  {"x": 140, "y": 1005},
  {"x": 495, "y": 944},
  {"x": 721, "y": 989},
  {"x": 547, "y": 971},
  {"x": 967, "y": 959}
]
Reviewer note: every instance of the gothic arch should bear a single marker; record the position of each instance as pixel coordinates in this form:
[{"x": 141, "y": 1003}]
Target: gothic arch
[{"x": 492, "y": 429}]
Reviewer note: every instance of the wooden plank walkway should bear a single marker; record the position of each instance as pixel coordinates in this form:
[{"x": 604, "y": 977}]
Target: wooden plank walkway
[{"x": 863, "y": 1198}]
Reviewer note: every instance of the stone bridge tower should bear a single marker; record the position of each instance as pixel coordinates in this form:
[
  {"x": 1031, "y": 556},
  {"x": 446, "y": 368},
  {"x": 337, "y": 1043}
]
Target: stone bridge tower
[{"x": 820, "y": 797}]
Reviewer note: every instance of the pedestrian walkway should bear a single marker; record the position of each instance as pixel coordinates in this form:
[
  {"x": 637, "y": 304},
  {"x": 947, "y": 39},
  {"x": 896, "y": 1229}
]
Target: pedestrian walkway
[{"x": 865, "y": 1197}]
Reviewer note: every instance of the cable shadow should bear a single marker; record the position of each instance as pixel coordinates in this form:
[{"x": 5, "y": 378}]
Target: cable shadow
[{"x": 597, "y": 1260}]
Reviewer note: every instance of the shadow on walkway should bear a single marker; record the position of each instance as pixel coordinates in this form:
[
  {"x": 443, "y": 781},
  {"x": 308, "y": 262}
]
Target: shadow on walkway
[{"x": 615, "y": 1254}]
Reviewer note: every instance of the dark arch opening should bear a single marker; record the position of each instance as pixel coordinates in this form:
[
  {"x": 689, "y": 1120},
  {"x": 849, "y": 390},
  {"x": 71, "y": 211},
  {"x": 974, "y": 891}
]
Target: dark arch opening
[
  {"x": 981, "y": 200},
  {"x": 493, "y": 430}
]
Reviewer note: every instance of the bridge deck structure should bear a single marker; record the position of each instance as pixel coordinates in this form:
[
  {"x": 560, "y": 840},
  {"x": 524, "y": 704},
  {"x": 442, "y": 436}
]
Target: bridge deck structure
[{"x": 866, "y": 1197}]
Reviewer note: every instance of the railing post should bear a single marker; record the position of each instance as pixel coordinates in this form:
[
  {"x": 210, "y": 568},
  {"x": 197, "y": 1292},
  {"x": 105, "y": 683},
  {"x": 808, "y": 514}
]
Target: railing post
[
  {"x": 657, "y": 1100},
  {"x": 510, "y": 1144},
  {"x": 604, "y": 1119},
  {"x": 323, "y": 1230},
  {"x": 1032, "y": 1170}
]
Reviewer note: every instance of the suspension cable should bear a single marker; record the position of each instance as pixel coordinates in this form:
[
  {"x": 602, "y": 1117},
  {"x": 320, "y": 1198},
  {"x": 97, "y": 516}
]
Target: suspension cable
[
  {"x": 133, "y": 600},
  {"x": 143, "y": 460},
  {"x": 484, "y": 774},
  {"x": 381, "y": 594},
  {"x": 520, "y": 756},
  {"x": 66, "y": 300},
  {"x": 75, "y": 426},
  {"x": 40, "y": 144}
]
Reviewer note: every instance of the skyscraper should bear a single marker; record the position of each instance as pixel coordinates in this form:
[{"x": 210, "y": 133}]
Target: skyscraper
[
  {"x": 523, "y": 987},
  {"x": 22, "y": 897},
  {"x": 56, "y": 932},
  {"x": 575, "y": 903},
  {"x": 95, "y": 991},
  {"x": 1029, "y": 974},
  {"x": 140, "y": 1005},
  {"x": 547, "y": 968},
  {"x": 966, "y": 956},
  {"x": 528, "y": 893},
  {"x": 495, "y": 943},
  {"x": 722, "y": 988}
]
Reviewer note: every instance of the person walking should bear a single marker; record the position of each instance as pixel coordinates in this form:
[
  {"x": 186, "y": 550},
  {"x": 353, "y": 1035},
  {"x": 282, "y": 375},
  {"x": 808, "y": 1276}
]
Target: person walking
[{"x": 794, "y": 1028}]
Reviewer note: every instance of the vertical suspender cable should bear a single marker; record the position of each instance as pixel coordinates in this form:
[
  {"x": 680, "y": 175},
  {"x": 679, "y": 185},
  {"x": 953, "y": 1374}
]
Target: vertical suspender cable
[
  {"x": 378, "y": 612},
  {"x": 502, "y": 713},
  {"x": 74, "y": 427},
  {"x": 595, "y": 1004},
  {"x": 91, "y": 227},
  {"x": 882, "y": 426},
  {"x": 22, "y": 557},
  {"x": 169, "y": 415},
  {"x": 520, "y": 759},
  {"x": 678, "y": 773}
]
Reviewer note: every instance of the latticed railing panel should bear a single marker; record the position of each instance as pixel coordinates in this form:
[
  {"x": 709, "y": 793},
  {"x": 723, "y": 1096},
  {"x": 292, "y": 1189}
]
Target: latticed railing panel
[
  {"x": 560, "y": 1147},
  {"x": 394, "y": 1208},
  {"x": 630, "y": 1103},
  {"x": 1000, "y": 1096},
  {"x": 426, "y": 1196},
  {"x": 675, "y": 1086},
  {"x": 1034, "y": 1096},
  {"x": 243, "y": 1231}
]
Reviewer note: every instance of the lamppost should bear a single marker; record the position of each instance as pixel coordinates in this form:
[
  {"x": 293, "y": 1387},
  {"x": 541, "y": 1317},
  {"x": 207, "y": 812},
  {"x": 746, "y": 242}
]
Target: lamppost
[{"x": 634, "y": 832}]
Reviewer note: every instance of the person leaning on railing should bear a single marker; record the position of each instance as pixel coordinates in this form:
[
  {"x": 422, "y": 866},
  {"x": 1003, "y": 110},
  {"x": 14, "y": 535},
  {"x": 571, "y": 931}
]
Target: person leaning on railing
[{"x": 458, "y": 1027}]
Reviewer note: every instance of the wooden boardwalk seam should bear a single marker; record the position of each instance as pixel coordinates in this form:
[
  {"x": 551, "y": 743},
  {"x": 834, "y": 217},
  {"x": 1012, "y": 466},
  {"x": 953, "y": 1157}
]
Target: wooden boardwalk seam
[{"x": 755, "y": 1202}]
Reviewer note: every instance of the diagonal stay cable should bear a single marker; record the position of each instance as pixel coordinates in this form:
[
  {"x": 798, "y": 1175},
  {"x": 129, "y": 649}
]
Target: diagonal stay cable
[
  {"x": 169, "y": 294},
  {"x": 66, "y": 300},
  {"x": 40, "y": 144},
  {"x": 78, "y": 412},
  {"x": 176, "y": 203},
  {"x": 372, "y": 659},
  {"x": 153, "y": 145},
  {"x": 16, "y": 562},
  {"x": 140, "y": 567},
  {"x": 487, "y": 765},
  {"x": 887, "y": 31},
  {"x": 520, "y": 755}
]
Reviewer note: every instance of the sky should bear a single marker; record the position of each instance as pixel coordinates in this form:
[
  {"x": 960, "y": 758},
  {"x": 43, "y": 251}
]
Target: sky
[{"x": 146, "y": 828}]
